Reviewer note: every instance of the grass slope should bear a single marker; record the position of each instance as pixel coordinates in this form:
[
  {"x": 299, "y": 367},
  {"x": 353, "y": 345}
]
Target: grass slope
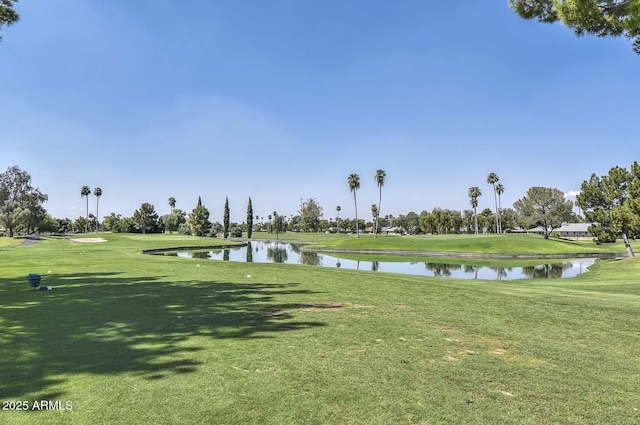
[
  {"x": 480, "y": 244},
  {"x": 136, "y": 339}
]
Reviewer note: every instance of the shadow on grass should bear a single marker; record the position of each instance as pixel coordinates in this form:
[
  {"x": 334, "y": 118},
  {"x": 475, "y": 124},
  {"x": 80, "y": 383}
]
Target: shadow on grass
[{"x": 108, "y": 324}]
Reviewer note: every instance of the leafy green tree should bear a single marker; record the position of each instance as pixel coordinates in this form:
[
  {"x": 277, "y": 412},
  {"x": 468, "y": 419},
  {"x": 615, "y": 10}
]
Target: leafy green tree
[
  {"x": 173, "y": 221},
  {"x": 47, "y": 225},
  {"x": 215, "y": 229},
  {"x": 31, "y": 212},
  {"x": 279, "y": 224},
  {"x": 146, "y": 217},
  {"x": 487, "y": 220},
  {"x": 97, "y": 192},
  {"x": 8, "y": 16},
  {"x": 346, "y": 224},
  {"x": 80, "y": 224},
  {"x": 354, "y": 184},
  {"x": 474, "y": 194},
  {"x": 380, "y": 178},
  {"x": 492, "y": 179},
  {"x": 507, "y": 220},
  {"x": 249, "y": 219},
  {"x": 468, "y": 221},
  {"x": 295, "y": 224},
  {"x": 310, "y": 213},
  {"x": 427, "y": 223},
  {"x": 199, "y": 220},
  {"x": 225, "y": 219},
  {"x": 65, "y": 225},
  {"x": 545, "y": 207},
  {"x": 85, "y": 191},
  {"x": 612, "y": 202},
  {"x": 20, "y": 203},
  {"x": 172, "y": 203},
  {"x": 602, "y": 18},
  {"x": 110, "y": 221},
  {"x": 409, "y": 223}
]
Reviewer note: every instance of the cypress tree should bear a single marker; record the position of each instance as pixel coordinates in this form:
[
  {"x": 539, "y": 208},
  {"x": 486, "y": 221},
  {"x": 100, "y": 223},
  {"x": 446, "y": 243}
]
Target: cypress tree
[
  {"x": 249, "y": 219},
  {"x": 226, "y": 217}
]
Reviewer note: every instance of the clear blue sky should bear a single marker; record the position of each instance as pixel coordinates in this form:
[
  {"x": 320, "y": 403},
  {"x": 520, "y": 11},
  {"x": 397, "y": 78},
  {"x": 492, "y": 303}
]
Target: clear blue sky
[{"x": 281, "y": 100}]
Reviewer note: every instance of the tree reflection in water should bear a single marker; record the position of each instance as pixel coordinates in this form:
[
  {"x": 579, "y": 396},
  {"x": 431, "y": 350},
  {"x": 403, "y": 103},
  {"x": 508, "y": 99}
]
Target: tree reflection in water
[
  {"x": 472, "y": 269},
  {"x": 271, "y": 252},
  {"x": 440, "y": 269},
  {"x": 501, "y": 272},
  {"x": 554, "y": 270},
  {"x": 203, "y": 255},
  {"x": 309, "y": 258},
  {"x": 249, "y": 253},
  {"x": 277, "y": 254}
]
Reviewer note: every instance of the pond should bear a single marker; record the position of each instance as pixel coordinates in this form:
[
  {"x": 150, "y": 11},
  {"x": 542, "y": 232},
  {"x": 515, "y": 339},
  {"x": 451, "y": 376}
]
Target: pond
[{"x": 281, "y": 252}]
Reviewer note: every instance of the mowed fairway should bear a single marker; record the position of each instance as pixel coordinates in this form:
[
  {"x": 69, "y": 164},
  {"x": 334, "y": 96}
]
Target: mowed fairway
[{"x": 129, "y": 338}]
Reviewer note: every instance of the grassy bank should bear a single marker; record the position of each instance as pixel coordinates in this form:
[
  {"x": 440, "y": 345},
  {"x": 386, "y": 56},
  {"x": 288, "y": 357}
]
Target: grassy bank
[
  {"x": 130, "y": 338},
  {"x": 480, "y": 244}
]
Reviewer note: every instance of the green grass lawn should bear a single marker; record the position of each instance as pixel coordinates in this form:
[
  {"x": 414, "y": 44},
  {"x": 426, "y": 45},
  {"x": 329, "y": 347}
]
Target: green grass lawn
[
  {"x": 6, "y": 242},
  {"x": 129, "y": 338},
  {"x": 479, "y": 244}
]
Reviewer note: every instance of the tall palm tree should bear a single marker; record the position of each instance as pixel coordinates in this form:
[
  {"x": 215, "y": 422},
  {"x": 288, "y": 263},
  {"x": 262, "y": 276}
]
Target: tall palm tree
[
  {"x": 338, "y": 218},
  {"x": 374, "y": 213},
  {"x": 379, "y": 177},
  {"x": 499, "y": 191},
  {"x": 492, "y": 179},
  {"x": 172, "y": 203},
  {"x": 474, "y": 194},
  {"x": 97, "y": 193},
  {"x": 354, "y": 185},
  {"x": 86, "y": 191}
]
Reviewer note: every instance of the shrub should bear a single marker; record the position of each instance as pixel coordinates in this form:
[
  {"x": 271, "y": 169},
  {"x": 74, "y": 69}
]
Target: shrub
[
  {"x": 236, "y": 232},
  {"x": 184, "y": 229}
]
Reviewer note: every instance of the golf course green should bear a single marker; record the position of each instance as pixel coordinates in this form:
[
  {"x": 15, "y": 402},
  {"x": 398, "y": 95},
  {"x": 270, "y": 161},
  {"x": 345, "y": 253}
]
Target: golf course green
[{"x": 129, "y": 338}]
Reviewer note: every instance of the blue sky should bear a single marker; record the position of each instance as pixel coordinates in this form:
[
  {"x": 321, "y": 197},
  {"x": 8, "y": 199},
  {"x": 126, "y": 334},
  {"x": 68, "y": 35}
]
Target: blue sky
[{"x": 282, "y": 100}]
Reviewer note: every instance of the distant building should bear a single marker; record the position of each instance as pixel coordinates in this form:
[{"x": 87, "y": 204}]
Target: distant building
[{"x": 567, "y": 231}]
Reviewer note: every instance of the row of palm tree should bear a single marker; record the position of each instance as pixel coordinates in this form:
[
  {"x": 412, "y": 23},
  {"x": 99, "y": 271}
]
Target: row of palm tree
[
  {"x": 498, "y": 190},
  {"x": 97, "y": 192},
  {"x": 354, "y": 184}
]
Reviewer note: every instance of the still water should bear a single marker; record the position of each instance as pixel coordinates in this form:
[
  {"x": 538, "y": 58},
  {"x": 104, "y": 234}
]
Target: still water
[{"x": 281, "y": 252}]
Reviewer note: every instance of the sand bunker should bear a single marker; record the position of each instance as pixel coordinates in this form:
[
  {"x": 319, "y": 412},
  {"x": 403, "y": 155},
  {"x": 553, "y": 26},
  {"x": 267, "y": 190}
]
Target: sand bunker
[{"x": 91, "y": 240}]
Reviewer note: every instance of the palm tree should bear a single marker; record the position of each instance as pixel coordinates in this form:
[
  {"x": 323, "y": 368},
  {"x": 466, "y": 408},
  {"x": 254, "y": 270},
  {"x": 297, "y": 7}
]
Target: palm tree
[
  {"x": 379, "y": 177},
  {"x": 374, "y": 213},
  {"x": 98, "y": 193},
  {"x": 172, "y": 203},
  {"x": 354, "y": 185},
  {"x": 86, "y": 191},
  {"x": 338, "y": 218},
  {"x": 499, "y": 191},
  {"x": 492, "y": 179},
  {"x": 474, "y": 194}
]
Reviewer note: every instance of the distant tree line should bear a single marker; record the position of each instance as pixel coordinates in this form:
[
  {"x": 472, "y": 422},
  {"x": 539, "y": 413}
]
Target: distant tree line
[{"x": 611, "y": 204}]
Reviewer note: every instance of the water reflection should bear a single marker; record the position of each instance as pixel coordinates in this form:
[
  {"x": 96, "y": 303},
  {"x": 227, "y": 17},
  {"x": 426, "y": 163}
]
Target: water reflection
[
  {"x": 277, "y": 255},
  {"x": 547, "y": 270},
  {"x": 310, "y": 258},
  {"x": 440, "y": 269},
  {"x": 279, "y": 252},
  {"x": 201, "y": 254},
  {"x": 250, "y": 252}
]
